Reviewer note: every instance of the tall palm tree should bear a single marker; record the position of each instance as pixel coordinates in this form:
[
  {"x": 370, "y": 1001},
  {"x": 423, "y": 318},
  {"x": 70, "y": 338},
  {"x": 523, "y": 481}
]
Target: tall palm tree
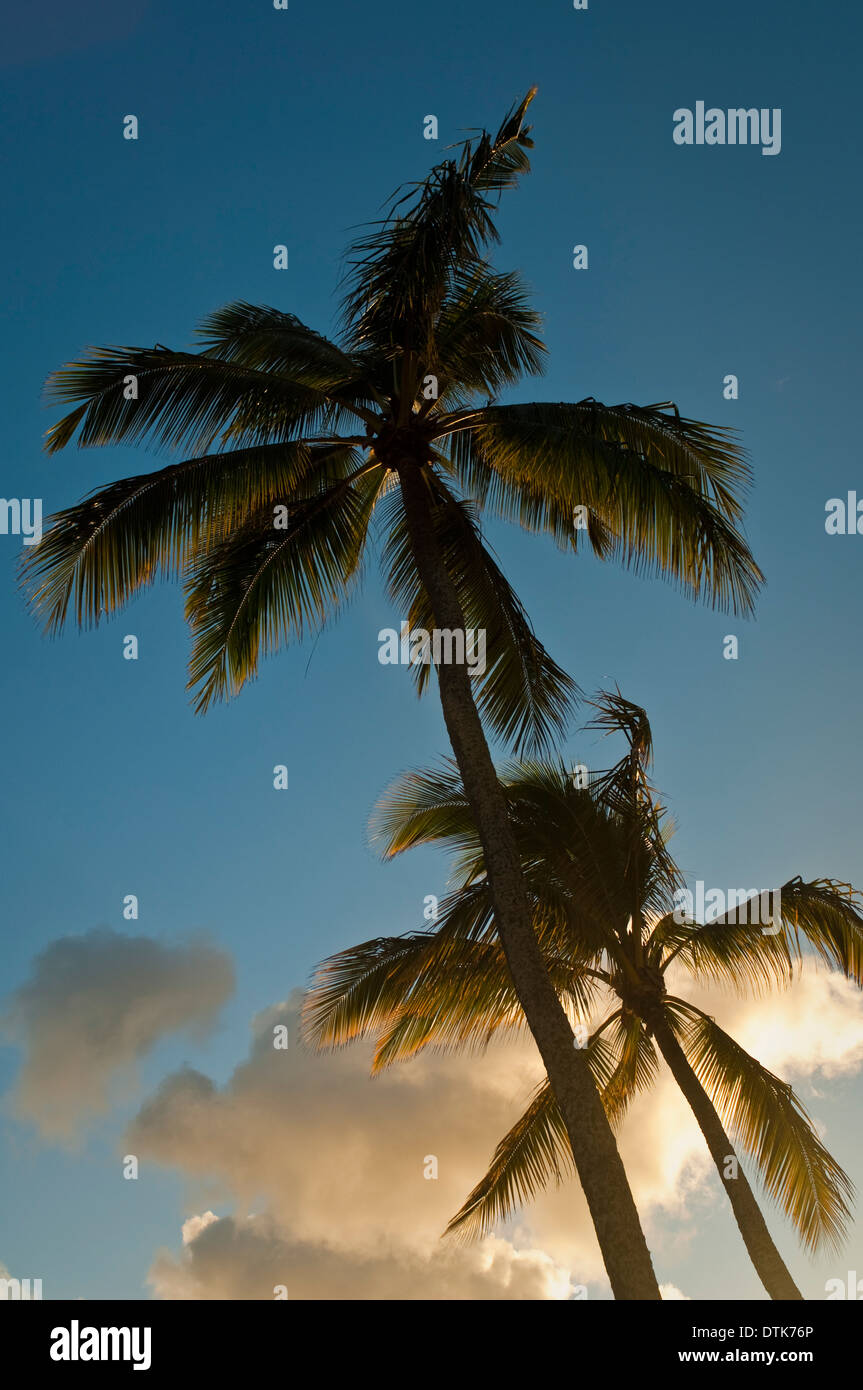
[
  {"x": 292, "y": 443},
  {"x": 603, "y": 888}
]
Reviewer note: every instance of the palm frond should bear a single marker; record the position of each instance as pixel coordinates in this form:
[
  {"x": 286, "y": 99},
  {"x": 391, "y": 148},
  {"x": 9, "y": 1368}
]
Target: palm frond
[
  {"x": 534, "y": 1153},
  {"x": 497, "y": 162},
  {"x": 185, "y": 402},
  {"x": 624, "y": 1066},
  {"x": 626, "y": 793},
  {"x": 525, "y": 697},
  {"x": 826, "y": 914},
  {"x": 615, "y": 714},
  {"x": 520, "y": 500},
  {"x": 463, "y": 996},
  {"x": 258, "y": 587},
  {"x": 96, "y": 555},
  {"x": 666, "y": 490},
  {"x": 742, "y": 950},
  {"x": 727, "y": 951},
  {"x": 358, "y": 991},
  {"x": 424, "y": 807},
  {"x": 458, "y": 1000},
  {"x": 770, "y": 1123},
  {"x": 269, "y": 340},
  {"x": 486, "y": 335},
  {"x": 448, "y": 988}
]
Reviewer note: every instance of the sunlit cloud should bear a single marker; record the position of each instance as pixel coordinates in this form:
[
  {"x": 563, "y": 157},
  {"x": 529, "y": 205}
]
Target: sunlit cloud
[
  {"x": 254, "y": 1258},
  {"x": 332, "y": 1162}
]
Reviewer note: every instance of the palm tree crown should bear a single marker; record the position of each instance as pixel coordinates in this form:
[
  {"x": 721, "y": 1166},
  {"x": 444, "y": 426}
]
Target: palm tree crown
[
  {"x": 272, "y": 415},
  {"x": 602, "y": 885}
]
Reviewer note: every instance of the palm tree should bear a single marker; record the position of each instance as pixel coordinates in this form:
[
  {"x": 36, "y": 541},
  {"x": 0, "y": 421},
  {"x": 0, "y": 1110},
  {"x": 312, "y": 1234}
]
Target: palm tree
[
  {"x": 602, "y": 883},
  {"x": 292, "y": 443}
]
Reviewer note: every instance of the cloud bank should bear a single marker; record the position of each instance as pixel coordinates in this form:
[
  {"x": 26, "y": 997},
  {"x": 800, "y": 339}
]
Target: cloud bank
[
  {"x": 305, "y": 1174},
  {"x": 322, "y": 1168}
]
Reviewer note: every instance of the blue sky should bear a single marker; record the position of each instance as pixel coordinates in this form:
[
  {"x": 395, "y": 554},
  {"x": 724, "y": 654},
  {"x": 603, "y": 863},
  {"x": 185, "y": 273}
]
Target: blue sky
[{"x": 260, "y": 127}]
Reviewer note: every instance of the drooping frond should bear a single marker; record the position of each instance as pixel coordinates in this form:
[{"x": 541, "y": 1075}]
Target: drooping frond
[
  {"x": 826, "y": 914},
  {"x": 442, "y": 989},
  {"x": 617, "y": 715},
  {"x": 96, "y": 555},
  {"x": 730, "y": 950},
  {"x": 626, "y": 794},
  {"x": 565, "y": 446},
  {"x": 463, "y": 996},
  {"x": 534, "y": 1153},
  {"x": 666, "y": 490},
  {"x": 623, "y": 1061},
  {"x": 522, "y": 694},
  {"x": 260, "y": 586},
  {"x": 359, "y": 992},
  {"x": 521, "y": 500},
  {"x": 764, "y": 1114},
  {"x": 459, "y": 999},
  {"x": 759, "y": 940}
]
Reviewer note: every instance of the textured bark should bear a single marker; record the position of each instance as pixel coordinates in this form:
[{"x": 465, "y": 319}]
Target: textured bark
[
  {"x": 768, "y": 1262},
  {"x": 594, "y": 1148}
]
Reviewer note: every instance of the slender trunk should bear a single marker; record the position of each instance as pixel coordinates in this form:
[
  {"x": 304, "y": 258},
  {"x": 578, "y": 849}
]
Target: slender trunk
[
  {"x": 768, "y": 1262},
  {"x": 594, "y": 1148}
]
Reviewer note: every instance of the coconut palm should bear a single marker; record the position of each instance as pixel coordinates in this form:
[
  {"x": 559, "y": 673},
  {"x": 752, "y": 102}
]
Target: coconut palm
[
  {"x": 610, "y": 914},
  {"x": 291, "y": 444}
]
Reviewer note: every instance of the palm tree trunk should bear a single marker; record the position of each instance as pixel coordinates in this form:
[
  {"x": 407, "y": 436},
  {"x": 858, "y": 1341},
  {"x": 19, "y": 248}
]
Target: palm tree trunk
[
  {"x": 768, "y": 1262},
  {"x": 594, "y": 1148}
]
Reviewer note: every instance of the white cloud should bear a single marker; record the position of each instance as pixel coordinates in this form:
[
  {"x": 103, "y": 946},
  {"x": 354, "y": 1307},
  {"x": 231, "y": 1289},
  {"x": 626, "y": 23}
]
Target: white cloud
[
  {"x": 193, "y": 1227},
  {"x": 813, "y": 1029},
  {"x": 250, "y": 1258}
]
